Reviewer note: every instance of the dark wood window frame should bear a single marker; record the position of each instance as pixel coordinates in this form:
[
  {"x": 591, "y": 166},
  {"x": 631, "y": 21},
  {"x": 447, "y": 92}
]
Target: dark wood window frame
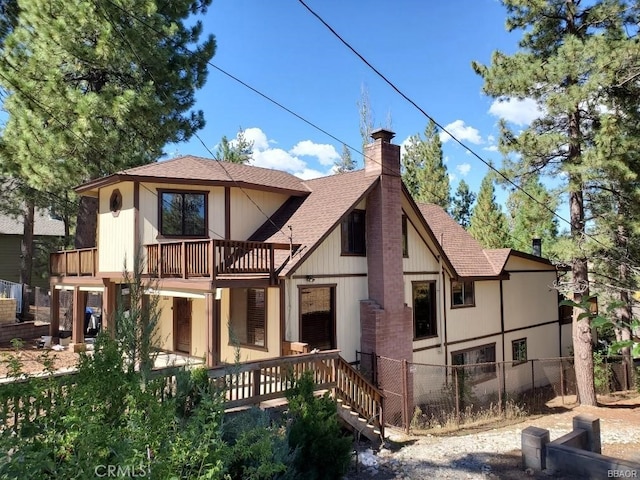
[
  {"x": 115, "y": 202},
  {"x": 353, "y": 237},
  {"x": 405, "y": 237},
  {"x": 465, "y": 287},
  {"x": 519, "y": 351},
  {"x": 478, "y": 373},
  {"x": 333, "y": 288},
  {"x": 253, "y": 322},
  {"x": 205, "y": 195},
  {"x": 433, "y": 325}
]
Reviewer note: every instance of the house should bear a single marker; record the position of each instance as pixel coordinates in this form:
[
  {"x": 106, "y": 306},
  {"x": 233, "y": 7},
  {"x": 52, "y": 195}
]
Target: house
[
  {"x": 257, "y": 259},
  {"x": 11, "y": 233}
]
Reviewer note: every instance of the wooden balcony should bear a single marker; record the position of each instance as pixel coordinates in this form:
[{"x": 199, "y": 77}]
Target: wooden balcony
[
  {"x": 213, "y": 259},
  {"x": 74, "y": 263}
]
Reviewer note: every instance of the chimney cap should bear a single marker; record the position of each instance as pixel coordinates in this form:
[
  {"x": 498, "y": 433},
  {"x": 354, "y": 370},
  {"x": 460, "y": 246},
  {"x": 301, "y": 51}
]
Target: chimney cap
[{"x": 383, "y": 134}]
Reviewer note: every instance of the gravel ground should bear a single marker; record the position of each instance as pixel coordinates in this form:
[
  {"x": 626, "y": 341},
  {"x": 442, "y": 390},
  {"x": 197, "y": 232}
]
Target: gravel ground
[{"x": 493, "y": 453}]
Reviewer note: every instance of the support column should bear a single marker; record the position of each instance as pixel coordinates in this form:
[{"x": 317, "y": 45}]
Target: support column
[
  {"x": 109, "y": 307},
  {"x": 211, "y": 331},
  {"x": 54, "y": 312},
  {"x": 77, "y": 331}
]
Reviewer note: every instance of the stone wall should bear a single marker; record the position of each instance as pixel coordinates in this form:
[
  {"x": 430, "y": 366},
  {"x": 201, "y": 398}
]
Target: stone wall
[{"x": 8, "y": 310}]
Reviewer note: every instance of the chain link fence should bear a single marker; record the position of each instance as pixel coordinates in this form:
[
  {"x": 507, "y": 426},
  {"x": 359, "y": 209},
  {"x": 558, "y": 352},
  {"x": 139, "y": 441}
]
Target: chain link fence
[{"x": 454, "y": 395}]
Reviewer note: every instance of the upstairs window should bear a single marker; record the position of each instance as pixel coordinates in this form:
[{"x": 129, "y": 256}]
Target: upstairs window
[
  {"x": 462, "y": 294},
  {"x": 354, "y": 234},
  {"x": 183, "y": 214}
]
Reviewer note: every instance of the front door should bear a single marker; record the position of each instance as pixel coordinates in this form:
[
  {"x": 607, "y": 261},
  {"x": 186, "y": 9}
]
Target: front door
[
  {"x": 317, "y": 317},
  {"x": 182, "y": 325}
]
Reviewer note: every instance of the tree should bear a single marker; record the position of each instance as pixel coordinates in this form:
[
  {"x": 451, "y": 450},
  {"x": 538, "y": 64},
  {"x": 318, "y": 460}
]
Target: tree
[
  {"x": 531, "y": 218},
  {"x": 462, "y": 203},
  {"x": 239, "y": 150},
  {"x": 573, "y": 57},
  {"x": 365, "y": 114},
  {"x": 488, "y": 224},
  {"x": 423, "y": 170},
  {"x": 345, "y": 163},
  {"x": 96, "y": 87}
]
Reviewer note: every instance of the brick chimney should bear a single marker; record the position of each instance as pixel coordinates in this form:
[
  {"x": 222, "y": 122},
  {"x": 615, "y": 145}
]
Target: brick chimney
[{"x": 386, "y": 322}]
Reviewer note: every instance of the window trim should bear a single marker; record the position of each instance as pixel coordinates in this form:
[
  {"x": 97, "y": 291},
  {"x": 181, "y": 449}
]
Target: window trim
[
  {"x": 246, "y": 344},
  {"x": 332, "y": 292},
  {"x": 518, "y": 361},
  {"x": 434, "y": 308},
  {"x": 484, "y": 376},
  {"x": 405, "y": 237},
  {"x": 473, "y": 294},
  {"x": 204, "y": 193},
  {"x": 344, "y": 240}
]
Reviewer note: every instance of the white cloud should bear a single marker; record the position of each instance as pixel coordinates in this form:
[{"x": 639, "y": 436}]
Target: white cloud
[
  {"x": 278, "y": 159},
  {"x": 462, "y": 132},
  {"x": 516, "y": 111},
  {"x": 464, "y": 169},
  {"x": 258, "y": 137},
  {"x": 325, "y": 153},
  {"x": 491, "y": 148},
  {"x": 452, "y": 177}
]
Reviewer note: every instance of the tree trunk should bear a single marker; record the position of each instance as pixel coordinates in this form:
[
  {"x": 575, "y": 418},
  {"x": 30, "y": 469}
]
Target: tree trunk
[
  {"x": 624, "y": 313},
  {"x": 87, "y": 223},
  {"x": 26, "y": 253}
]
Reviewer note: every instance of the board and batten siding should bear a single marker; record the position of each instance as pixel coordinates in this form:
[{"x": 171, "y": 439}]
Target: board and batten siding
[
  {"x": 116, "y": 233},
  {"x": 228, "y": 349},
  {"x": 246, "y": 218},
  {"x": 421, "y": 257},
  {"x": 150, "y": 219},
  {"x": 327, "y": 260}
]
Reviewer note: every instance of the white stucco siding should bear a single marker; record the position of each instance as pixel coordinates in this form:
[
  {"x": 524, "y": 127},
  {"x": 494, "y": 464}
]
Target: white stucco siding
[
  {"x": 227, "y": 347},
  {"x": 529, "y": 299},
  {"x": 116, "y": 231},
  {"x": 349, "y": 292},
  {"x": 482, "y": 319},
  {"x": 246, "y": 217}
]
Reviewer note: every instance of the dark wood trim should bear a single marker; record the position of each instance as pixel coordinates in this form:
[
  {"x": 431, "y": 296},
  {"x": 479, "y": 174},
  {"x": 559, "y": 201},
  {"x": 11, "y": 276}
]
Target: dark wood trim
[
  {"x": 405, "y": 234},
  {"x": 252, "y": 346},
  {"x": 79, "y": 281},
  {"x": 444, "y": 313},
  {"x": 473, "y": 339},
  {"x": 496, "y": 334},
  {"x": 504, "y": 377},
  {"x": 136, "y": 218},
  {"x": 464, "y": 305},
  {"x": 330, "y": 275},
  {"x": 430, "y": 347},
  {"x": 550, "y": 270},
  {"x": 324, "y": 236},
  {"x": 333, "y": 308},
  {"x": 227, "y": 213},
  {"x": 518, "y": 362},
  {"x": 529, "y": 256},
  {"x": 519, "y": 329},
  {"x": 210, "y": 331},
  {"x": 343, "y": 240},
  {"x": 283, "y": 305},
  {"x": 160, "y": 191},
  {"x": 426, "y": 272},
  {"x": 433, "y": 284},
  {"x": 87, "y": 188}
]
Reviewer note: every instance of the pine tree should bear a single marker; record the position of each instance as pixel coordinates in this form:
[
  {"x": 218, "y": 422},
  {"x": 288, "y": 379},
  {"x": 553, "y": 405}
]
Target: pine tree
[
  {"x": 462, "y": 203},
  {"x": 488, "y": 224},
  {"x": 239, "y": 150},
  {"x": 531, "y": 218},
  {"x": 96, "y": 87},
  {"x": 423, "y": 169},
  {"x": 365, "y": 116},
  {"x": 573, "y": 58},
  {"x": 345, "y": 163}
]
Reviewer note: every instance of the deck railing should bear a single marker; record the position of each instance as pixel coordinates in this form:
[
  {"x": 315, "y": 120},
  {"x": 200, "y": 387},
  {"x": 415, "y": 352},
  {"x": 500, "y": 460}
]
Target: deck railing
[
  {"x": 74, "y": 263},
  {"x": 212, "y": 258}
]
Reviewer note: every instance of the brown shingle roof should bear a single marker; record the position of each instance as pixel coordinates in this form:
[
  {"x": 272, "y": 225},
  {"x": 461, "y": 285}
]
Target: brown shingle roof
[
  {"x": 203, "y": 171},
  {"x": 463, "y": 251},
  {"x": 314, "y": 217}
]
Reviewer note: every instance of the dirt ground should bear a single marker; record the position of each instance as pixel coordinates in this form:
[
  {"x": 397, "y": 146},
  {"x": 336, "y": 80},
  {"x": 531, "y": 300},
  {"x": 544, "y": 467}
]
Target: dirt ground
[{"x": 30, "y": 356}]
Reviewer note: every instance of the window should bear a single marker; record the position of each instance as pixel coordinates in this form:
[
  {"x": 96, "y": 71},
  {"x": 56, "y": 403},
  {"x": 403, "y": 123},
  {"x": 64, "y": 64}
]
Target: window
[
  {"x": 405, "y": 237},
  {"x": 424, "y": 310},
  {"x": 462, "y": 294},
  {"x": 476, "y": 373},
  {"x": 519, "y": 351},
  {"x": 354, "y": 234},
  {"x": 115, "y": 202},
  {"x": 248, "y": 323},
  {"x": 183, "y": 214}
]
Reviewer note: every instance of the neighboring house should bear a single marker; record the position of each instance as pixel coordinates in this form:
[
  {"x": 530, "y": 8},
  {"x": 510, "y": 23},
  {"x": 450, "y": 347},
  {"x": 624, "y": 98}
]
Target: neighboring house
[
  {"x": 254, "y": 258},
  {"x": 11, "y": 232}
]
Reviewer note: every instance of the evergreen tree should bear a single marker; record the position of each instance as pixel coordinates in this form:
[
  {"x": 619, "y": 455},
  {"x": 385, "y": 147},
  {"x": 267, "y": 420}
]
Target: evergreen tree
[
  {"x": 531, "y": 218},
  {"x": 96, "y": 87},
  {"x": 239, "y": 150},
  {"x": 423, "y": 170},
  {"x": 573, "y": 58},
  {"x": 345, "y": 163},
  {"x": 488, "y": 224},
  {"x": 462, "y": 203},
  {"x": 365, "y": 115}
]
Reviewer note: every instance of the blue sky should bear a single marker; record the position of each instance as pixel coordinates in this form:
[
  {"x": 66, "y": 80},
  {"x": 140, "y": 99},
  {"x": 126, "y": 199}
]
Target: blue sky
[{"x": 425, "y": 47}]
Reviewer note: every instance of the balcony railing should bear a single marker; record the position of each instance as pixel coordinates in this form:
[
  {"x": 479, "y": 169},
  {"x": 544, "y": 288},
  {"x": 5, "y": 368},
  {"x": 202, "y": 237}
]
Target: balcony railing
[
  {"x": 74, "y": 263},
  {"x": 212, "y": 259}
]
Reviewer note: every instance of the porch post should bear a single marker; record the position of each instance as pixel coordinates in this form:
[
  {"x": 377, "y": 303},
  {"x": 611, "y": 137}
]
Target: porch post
[
  {"x": 211, "y": 322},
  {"x": 79, "y": 306},
  {"x": 109, "y": 307},
  {"x": 54, "y": 312}
]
